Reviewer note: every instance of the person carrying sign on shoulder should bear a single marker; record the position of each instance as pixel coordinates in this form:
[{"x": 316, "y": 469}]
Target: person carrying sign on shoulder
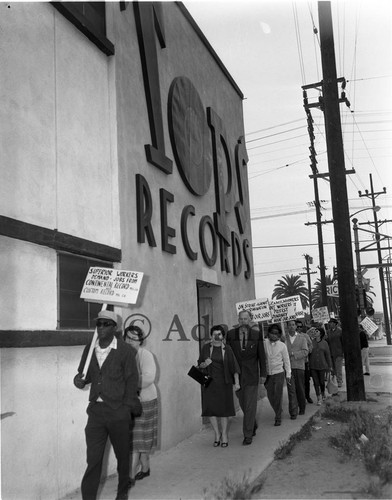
[
  {"x": 113, "y": 401},
  {"x": 297, "y": 348},
  {"x": 248, "y": 347},
  {"x": 364, "y": 343}
]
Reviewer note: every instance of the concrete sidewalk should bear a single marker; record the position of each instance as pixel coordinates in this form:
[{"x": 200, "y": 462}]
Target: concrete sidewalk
[{"x": 186, "y": 470}]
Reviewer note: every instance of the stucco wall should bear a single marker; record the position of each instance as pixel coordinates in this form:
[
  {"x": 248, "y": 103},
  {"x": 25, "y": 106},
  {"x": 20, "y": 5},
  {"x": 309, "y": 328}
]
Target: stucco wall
[
  {"x": 57, "y": 154},
  {"x": 43, "y": 450}
]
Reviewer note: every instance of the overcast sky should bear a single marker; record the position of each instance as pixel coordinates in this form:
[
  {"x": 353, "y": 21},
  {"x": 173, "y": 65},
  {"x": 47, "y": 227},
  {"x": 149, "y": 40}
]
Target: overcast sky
[{"x": 271, "y": 50}]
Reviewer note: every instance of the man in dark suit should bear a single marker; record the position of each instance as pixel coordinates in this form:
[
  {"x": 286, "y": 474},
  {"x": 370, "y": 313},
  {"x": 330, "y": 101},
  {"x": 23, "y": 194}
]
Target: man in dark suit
[
  {"x": 114, "y": 379},
  {"x": 248, "y": 347}
]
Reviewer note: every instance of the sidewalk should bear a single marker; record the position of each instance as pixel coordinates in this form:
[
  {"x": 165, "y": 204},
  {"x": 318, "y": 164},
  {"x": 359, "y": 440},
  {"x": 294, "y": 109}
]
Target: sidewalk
[
  {"x": 379, "y": 351},
  {"x": 186, "y": 470}
]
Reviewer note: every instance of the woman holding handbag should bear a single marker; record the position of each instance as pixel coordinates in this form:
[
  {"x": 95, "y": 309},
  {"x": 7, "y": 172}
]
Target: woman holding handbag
[
  {"x": 319, "y": 361},
  {"x": 217, "y": 399}
]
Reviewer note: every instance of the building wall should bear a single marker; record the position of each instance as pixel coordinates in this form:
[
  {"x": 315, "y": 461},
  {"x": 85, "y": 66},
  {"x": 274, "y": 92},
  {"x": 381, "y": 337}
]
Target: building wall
[{"x": 75, "y": 124}]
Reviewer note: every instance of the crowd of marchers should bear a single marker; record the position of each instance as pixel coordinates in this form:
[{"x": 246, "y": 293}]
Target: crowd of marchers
[{"x": 123, "y": 404}]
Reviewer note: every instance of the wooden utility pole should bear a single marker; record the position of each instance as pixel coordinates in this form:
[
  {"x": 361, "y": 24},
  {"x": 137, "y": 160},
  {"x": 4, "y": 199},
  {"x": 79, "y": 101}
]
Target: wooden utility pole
[
  {"x": 373, "y": 195},
  {"x": 309, "y": 260},
  {"x": 340, "y": 210}
]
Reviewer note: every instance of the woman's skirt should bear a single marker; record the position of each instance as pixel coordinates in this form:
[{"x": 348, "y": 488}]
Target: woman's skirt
[{"x": 145, "y": 429}]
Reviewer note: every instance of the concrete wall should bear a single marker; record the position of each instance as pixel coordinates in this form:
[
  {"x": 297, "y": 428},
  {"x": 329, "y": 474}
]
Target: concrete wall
[{"x": 74, "y": 123}]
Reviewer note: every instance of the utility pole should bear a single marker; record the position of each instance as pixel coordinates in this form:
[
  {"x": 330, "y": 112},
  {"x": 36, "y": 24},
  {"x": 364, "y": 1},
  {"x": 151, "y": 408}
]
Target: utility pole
[
  {"x": 313, "y": 166},
  {"x": 337, "y": 173},
  {"x": 309, "y": 260},
  {"x": 323, "y": 281},
  {"x": 372, "y": 195},
  {"x": 361, "y": 301}
]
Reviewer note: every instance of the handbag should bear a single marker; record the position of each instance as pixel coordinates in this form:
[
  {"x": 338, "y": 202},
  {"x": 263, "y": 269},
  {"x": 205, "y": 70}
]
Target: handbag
[
  {"x": 202, "y": 378},
  {"x": 331, "y": 387}
]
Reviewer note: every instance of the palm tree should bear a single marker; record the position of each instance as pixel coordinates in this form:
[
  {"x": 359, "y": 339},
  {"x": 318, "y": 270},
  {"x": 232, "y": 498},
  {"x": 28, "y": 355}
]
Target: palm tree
[
  {"x": 289, "y": 286},
  {"x": 332, "y": 302}
]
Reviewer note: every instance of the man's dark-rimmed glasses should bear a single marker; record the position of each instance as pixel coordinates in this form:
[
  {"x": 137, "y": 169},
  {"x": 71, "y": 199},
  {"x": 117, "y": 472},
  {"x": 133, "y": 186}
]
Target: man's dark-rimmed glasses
[{"x": 104, "y": 324}]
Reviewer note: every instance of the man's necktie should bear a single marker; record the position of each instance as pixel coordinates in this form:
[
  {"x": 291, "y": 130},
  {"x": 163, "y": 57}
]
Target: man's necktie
[{"x": 243, "y": 341}]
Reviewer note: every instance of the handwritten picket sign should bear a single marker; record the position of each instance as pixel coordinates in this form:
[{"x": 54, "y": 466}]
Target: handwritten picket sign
[
  {"x": 286, "y": 309},
  {"x": 259, "y": 308},
  {"x": 369, "y": 326},
  {"x": 111, "y": 286},
  {"x": 320, "y": 314}
]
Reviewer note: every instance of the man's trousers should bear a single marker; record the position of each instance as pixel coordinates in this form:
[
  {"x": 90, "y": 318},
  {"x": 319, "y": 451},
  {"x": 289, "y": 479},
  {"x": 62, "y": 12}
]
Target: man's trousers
[
  {"x": 104, "y": 422},
  {"x": 337, "y": 366},
  {"x": 274, "y": 386},
  {"x": 247, "y": 397}
]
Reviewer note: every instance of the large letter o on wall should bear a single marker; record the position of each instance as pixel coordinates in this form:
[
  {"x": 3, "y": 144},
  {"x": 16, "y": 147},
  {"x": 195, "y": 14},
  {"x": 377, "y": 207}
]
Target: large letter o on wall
[
  {"x": 208, "y": 243},
  {"x": 190, "y": 137}
]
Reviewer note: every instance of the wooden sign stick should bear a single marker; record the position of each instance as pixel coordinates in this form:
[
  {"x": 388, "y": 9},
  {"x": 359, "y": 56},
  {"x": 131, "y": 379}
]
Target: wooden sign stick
[{"x": 92, "y": 347}]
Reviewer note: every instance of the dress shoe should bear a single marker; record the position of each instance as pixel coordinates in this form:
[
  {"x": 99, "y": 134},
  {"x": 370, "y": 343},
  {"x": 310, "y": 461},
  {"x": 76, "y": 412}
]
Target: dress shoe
[
  {"x": 301, "y": 412},
  {"x": 277, "y": 423},
  {"x": 309, "y": 400},
  {"x": 255, "y": 429},
  {"x": 293, "y": 417},
  {"x": 142, "y": 475},
  {"x": 247, "y": 441}
]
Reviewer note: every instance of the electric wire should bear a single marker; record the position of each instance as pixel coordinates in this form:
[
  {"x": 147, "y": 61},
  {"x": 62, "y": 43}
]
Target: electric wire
[{"x": 299, "y": 45}]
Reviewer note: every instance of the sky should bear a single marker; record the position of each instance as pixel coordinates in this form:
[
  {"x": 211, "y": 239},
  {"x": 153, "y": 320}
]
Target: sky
[{"x": 272, "y": 49}]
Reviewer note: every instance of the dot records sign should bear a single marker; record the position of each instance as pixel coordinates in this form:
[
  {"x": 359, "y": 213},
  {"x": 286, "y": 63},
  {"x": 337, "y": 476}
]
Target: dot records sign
[{"x": 111, "y": 286}]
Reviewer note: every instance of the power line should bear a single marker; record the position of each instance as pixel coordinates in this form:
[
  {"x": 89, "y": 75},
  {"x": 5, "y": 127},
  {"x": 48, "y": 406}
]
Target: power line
[
  {"x": 300, "y": 245},
  {"x": 275, "y": 126}
]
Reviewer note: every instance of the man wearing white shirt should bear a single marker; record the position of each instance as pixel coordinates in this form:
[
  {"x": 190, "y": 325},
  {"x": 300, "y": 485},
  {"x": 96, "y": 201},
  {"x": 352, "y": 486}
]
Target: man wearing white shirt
[
  {"x": 278, "y": 367},
  {"x": 113, "y": 399}
]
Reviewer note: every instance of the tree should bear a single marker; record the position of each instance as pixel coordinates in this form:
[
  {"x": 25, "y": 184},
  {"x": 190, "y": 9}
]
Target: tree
[{"x": 289, "y": 286}]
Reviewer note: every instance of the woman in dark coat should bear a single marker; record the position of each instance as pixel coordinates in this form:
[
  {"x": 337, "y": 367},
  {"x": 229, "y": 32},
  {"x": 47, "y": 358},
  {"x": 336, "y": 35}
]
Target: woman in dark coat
[{"x": 217, "y": 399}]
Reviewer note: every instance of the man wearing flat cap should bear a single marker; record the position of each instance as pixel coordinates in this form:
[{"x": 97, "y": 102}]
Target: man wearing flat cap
[
  {"x": 336, "y": 348},
  {"x": 113, "y": 400}
]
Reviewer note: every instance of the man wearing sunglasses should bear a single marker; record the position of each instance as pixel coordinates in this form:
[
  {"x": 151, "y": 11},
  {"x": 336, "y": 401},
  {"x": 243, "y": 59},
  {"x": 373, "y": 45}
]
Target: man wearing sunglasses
[{"x": 113, "y": 400}]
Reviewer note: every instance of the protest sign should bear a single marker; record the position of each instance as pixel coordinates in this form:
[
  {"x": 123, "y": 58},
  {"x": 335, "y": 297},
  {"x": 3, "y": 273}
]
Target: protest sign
[
  {"x": 258, "y": 307},
  {"x": 111, "y": 286},
  {"x": 369, "y": 326},
  {"x": 286, "y": 309},
  {"x": 320, "y": 314}
]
